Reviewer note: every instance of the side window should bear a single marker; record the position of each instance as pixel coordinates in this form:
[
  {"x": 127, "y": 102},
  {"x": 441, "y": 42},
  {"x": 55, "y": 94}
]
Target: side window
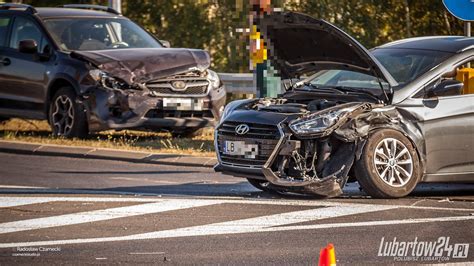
[
  {"x": 25, "y": 29},
  {"x": 463, "y": 73},
  {"x": 4, "y": 22}
]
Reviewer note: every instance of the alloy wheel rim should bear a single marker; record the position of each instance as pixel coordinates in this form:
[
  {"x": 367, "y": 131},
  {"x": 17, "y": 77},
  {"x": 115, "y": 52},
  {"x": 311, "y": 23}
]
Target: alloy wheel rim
[
  {"x": 63, "y": 115},
  {"x": 393, "y": 162}
]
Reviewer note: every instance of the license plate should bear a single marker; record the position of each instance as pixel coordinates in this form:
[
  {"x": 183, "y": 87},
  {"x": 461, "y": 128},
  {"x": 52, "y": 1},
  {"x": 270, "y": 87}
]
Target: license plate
[
  {"x": 240, "y": 148},
  {"x": 182, "y": 104}
]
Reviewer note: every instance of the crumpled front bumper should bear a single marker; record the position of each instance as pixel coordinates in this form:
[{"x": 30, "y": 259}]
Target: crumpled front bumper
[
  {"x": 113, "y": 109},
  {"x": 329, "y": 185}
]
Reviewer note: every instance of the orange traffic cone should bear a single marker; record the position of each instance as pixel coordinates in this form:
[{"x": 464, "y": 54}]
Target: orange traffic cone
[{"x": 327, "y": 256}]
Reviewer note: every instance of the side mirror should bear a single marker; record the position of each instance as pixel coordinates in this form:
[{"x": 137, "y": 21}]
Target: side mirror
[
  {"x": 166, "y": 44},
  {"x": 448, "y": 87},
  {"x": 28, "y": 46}
]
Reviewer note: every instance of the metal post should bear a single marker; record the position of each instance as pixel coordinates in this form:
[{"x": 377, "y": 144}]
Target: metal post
[
  {"x": 116, "y": 4},
  {"x": 467, "y": 32}
]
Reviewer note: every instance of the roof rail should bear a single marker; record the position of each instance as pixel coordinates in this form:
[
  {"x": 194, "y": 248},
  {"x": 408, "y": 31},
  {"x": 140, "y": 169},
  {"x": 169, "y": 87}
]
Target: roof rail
[
  {"x": 93, "y": 7},
  {"x": 27, "y": 8}
]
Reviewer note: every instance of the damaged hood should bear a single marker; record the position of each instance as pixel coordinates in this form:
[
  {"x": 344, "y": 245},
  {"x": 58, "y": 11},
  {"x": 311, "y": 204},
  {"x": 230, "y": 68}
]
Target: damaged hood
[
  {"x": 300, "y": 44},
  {"x": 136, "y": 66}
]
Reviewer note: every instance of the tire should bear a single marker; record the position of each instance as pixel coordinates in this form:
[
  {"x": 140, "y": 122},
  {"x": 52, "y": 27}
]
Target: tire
[
  {"x": 67, "y": 118},
  {"x": 187, "y": 133},
  {"x": 384, "y": 175}
]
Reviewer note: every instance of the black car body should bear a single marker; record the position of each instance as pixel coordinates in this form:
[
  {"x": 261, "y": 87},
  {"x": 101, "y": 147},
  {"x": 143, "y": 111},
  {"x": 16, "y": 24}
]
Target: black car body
[
  {"x": 405, "y": 121},
  {"x": 87, "y": 70}
]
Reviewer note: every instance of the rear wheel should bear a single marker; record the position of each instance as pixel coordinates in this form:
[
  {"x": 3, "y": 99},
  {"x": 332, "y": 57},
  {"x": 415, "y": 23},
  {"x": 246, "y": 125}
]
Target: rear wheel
[
  {"x": 389, "y": 166},
  {"x": 67, "y": 117}
]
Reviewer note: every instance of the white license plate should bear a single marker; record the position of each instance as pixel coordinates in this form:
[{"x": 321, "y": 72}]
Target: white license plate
[
  {"x": 241, "y": 148},
  {"x": 182, "y": 104}
]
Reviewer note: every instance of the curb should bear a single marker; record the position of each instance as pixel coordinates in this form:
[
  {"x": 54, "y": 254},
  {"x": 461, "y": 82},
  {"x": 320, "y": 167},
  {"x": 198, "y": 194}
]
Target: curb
[{"x": 105, "y": 154}]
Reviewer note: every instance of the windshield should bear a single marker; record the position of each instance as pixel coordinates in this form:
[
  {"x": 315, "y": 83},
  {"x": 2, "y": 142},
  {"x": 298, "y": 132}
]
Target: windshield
[
  {"x": 406, "y": 65},
  {"x": 344, "y": 78},
  {"x": 86, "y": 34}
]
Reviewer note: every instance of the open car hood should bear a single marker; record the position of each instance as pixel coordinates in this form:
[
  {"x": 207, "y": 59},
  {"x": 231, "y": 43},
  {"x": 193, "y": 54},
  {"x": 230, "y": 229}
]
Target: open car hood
[
  {"x": 145, "y": 64},
  {"x": 299, "y": 44}
]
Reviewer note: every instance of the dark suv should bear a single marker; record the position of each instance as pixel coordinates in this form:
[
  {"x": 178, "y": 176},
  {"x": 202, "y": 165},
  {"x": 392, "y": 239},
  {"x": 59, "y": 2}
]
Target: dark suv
[{"x": 87, "y": 68}]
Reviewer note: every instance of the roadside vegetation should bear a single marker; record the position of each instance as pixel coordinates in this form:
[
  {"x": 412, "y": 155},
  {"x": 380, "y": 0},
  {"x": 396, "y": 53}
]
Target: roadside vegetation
[
  {"x": 218, "y": 26},
  {"x": 34, "y": 131}
]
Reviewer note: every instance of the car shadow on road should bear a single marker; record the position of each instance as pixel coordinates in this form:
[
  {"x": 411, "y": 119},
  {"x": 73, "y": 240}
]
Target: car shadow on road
[
  {"x": 161, "y": 172},
  {"x": 239, "y": 189}
]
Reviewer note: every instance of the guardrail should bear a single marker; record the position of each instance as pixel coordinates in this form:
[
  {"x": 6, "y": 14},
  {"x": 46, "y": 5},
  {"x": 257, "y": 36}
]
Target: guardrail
[{"x": 238, "y": 83}]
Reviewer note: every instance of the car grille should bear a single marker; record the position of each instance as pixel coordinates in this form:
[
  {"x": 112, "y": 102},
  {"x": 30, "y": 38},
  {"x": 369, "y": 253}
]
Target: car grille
[
  {"x": 266, "y": 136},
  {"x": 195, "y": 85},
  {"x": 155, "y": 113}
]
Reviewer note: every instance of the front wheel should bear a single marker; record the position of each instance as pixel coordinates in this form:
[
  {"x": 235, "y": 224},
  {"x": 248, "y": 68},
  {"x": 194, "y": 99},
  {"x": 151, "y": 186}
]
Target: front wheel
[
  {"x": 389, "y": 166},
  {"x": 67, "y": 117}
]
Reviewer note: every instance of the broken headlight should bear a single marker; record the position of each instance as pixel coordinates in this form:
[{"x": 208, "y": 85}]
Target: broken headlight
[
  {"x": 316, "y": 123},
  {"x": 214, "y": 79},
  {"x": 107, "y": 81}
]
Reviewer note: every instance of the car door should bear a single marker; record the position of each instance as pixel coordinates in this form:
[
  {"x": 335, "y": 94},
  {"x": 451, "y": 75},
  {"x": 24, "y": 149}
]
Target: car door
[
  {"x": 5, "y": 22},
  {"x": 24, "y": 92},
  {"x": 448, "y": 127}
]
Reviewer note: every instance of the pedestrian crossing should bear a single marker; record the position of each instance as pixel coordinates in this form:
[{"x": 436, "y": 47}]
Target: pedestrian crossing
[{"x": 294, "y": 215}]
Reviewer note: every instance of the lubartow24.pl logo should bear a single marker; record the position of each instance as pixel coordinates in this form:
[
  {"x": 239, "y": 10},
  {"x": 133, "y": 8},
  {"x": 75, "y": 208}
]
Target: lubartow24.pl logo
[{"x": 438, "y": 250}]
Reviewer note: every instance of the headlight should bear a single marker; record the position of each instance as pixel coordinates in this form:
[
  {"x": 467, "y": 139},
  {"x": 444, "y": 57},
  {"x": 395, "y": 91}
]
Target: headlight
[
  {"x": 214, "y": 79},
  {"x": 107, "y": 81},
  {"x": 316, "y": 123}
]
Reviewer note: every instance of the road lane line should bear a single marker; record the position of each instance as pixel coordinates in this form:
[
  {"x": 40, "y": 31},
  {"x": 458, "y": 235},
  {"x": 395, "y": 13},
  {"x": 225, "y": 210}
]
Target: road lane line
[
  {"x": 12, "y": 202},
  {"x": 16, "y": 201},
  {"x": 187, "y": 232},
  {"x": 101, "y": 215},
  {"x": 26, "y": 187},
  {"x": 258, "y": 224},
  {"x": 375, "y": 223}
]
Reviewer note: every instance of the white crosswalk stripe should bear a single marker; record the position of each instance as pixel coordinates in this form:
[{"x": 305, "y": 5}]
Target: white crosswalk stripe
[
  {"x": 284, "y": 221},
  {"x": 101, "y": 215}
]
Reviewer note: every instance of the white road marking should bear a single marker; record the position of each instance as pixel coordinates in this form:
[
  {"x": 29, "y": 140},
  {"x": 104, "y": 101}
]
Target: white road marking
[
  {"x": 101, "y": 215},
  {"x": 376, "y": 223},
  {"x": 22, "y": 187},
  {"x": 146, "y": 253},
  {"x": 201, "y": 231},
  {"x": 270, "y": 223},
  {"x": 144, "y": 179},
  {"x": 258, "y": 224},
  {"x": 18, "y": 201},
  {"x": 12, "y": 202}
]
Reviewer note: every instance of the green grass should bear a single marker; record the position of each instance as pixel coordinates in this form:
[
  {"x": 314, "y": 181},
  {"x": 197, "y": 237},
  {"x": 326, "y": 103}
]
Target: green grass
[{"x": 34, "y": 131}]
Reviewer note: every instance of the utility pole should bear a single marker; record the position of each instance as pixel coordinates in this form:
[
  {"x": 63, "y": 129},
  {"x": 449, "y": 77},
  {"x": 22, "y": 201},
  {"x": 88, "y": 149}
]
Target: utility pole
[
  {"x": 116, "y": 4},
  {"x": 467, "y": 29},
  {"x": 467, "y": 32}
]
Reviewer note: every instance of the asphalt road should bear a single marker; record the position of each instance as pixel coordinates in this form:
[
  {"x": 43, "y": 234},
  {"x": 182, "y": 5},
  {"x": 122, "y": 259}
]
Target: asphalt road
[{"x": 80, "y": 211}]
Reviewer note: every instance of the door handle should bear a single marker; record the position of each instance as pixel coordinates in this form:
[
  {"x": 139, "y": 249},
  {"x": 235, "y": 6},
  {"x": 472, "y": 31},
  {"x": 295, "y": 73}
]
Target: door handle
[{"x": 6, "y": 61}]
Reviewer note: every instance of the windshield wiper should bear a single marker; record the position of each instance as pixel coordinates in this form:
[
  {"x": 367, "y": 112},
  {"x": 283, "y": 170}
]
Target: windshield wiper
[
  {"x": 358, "y": 90},
  {"x": 316, "y": 87}
]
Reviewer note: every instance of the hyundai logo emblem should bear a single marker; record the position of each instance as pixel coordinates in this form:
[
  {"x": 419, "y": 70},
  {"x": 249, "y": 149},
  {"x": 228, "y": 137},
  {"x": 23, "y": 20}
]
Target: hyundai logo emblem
[{"x": 242, "y": 129}]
